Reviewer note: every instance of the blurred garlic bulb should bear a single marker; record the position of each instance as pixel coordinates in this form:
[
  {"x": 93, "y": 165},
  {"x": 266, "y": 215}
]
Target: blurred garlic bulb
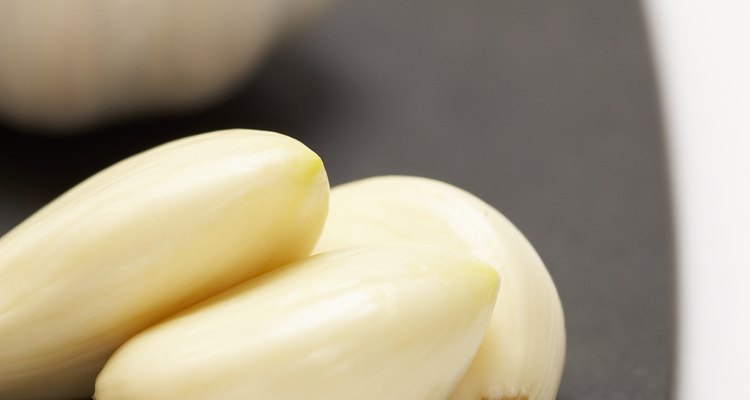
[{"x": 69, "y": 64}]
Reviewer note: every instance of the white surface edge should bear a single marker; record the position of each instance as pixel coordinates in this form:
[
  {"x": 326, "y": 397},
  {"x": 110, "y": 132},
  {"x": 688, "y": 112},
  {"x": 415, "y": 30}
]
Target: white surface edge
[{"x": 702, "y": 50}]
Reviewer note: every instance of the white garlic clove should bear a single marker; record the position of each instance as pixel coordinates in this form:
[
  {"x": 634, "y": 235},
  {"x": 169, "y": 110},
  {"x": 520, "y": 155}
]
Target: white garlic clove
[
  {"x": 366, "y": 324},
  {"x": 523, "y": 353},
  {"x": 142, "y": 240}
]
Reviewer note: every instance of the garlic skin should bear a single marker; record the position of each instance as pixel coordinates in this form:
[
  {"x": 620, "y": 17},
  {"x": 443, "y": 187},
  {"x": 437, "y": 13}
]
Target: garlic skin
[
  {"x": 70, "y": 64},
  {"x": 522, "y": 355},
  {"x": 142, "y": 240},
  {"x": 367, "y": 324}
]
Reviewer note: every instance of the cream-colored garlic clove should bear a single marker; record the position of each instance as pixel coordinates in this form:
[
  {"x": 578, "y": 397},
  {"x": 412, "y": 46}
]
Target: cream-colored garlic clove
[
  {"x": 142, "y": 240},
  {"x": 367, "y": 324},
  {"x": 523, "y": 353}
]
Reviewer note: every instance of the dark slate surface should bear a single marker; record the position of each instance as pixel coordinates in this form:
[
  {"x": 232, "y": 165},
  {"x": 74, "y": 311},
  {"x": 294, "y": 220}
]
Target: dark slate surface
[{"x": 547, "y": 110}]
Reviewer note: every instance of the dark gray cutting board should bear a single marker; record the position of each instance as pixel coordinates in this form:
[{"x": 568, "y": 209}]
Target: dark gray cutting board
[{"x": 547, "y": 110}]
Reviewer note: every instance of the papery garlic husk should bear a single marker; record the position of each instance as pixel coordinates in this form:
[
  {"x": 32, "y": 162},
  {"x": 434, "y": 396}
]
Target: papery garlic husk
[
  {"x": 142, "y": 240},
  {"x": 523, "y": 353},
  {"x": 367, "y": 324}
]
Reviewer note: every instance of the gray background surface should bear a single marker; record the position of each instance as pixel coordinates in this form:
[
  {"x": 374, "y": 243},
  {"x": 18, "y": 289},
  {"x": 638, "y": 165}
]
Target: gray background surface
[{"x": 547, "y": 110}]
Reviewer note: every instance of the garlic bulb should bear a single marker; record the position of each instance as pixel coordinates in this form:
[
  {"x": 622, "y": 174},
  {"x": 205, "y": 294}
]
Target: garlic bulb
[
  {"x": 68, "y": 64},
  {"x": 143, "y": 240},
  {"x": 523, "y": 352},
  {"x": 368, "y": 324}
]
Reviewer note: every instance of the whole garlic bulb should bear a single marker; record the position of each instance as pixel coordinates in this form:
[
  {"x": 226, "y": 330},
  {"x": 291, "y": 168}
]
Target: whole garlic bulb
[{"x": 68, "y": 64}]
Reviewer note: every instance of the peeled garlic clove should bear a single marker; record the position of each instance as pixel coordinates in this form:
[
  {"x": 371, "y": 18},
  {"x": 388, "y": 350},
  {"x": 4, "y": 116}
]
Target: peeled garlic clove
[
  {"x": 523, "y": 353},
  {"x": 142, "y": 240},
  {"x": 365, "y": 324}
]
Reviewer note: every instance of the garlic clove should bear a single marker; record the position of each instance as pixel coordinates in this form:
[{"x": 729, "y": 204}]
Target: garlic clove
[
  {"x": 523, "y": 352},
  {"x": 142, "y": 240},
  {"x": 368, "y": 324}
]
